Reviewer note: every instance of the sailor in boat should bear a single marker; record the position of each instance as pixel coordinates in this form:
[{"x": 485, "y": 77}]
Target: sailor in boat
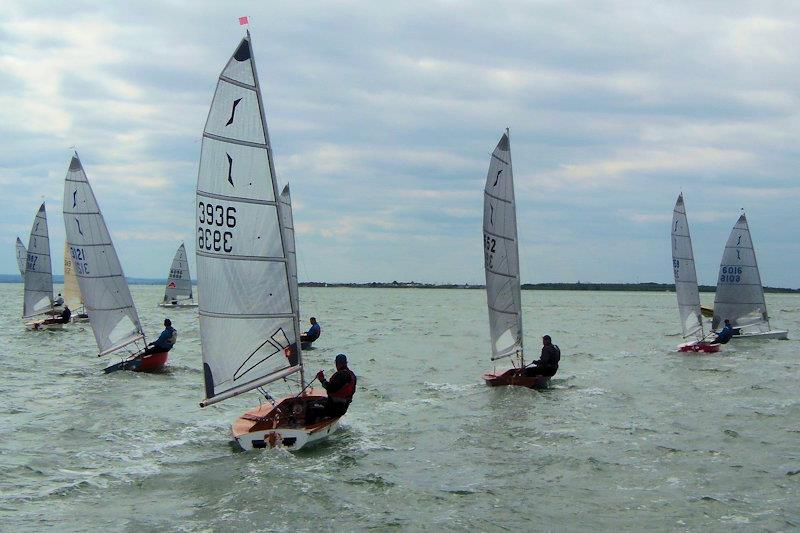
[
  {"x": 341, "y": 388},
  {"x": 59, "y": 301},
  {"x": 313, "y": 332},
  {"x": 725, "y": 334},
  {"x": 62, "y": 318},
  {"x": 165, "y": 341},
  {"x": 547, "y": 365}
]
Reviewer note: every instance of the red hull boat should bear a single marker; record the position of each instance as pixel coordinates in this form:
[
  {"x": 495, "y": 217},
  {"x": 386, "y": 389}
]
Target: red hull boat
[
  {"x": 149, "y": 363},
  {"x": 695, "y": 347}
]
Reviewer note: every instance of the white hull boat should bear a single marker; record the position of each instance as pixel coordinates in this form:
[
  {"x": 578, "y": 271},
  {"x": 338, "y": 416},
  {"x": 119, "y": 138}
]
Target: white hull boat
[
  {"x": 250, "y": 338},
  {"x": 773, "y": 334}
]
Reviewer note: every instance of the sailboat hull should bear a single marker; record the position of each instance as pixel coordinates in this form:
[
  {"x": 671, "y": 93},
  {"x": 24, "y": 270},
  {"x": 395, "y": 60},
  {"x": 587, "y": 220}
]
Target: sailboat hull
[
  {"x": 774, "y": 334},
  {"x": 148, "y": 363},
  {"x": 43, "y": 325},
  {"x": 701, "y": 347},
  {"x": 82, "y": 318},
  {"x": 513, "y": 376},
  {"x": 283, "y": 425}
]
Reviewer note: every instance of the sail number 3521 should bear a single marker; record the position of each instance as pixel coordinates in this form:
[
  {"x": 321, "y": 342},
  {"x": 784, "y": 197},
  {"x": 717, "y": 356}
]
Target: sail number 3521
[{"x": 214, "y": 220}]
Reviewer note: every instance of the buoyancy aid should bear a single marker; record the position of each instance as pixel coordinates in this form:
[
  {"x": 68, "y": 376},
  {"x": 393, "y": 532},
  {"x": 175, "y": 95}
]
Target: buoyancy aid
[{"x": 345, "y": 394}]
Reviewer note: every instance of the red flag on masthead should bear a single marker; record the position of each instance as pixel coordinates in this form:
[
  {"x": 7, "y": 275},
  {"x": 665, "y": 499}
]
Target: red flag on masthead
[{"x": 243, "y": 21}]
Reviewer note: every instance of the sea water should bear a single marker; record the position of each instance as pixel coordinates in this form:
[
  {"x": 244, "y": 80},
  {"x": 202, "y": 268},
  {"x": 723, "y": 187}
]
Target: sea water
[{"x": 631, "y": 436}]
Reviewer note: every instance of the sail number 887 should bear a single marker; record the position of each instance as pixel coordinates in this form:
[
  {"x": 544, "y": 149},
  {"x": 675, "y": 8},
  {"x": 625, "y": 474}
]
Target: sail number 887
[{"x": 213, "y": 221}]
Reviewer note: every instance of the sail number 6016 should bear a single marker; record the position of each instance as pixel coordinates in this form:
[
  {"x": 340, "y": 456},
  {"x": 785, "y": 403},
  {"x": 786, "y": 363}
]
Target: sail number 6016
[{"x": 213, "y": 216}]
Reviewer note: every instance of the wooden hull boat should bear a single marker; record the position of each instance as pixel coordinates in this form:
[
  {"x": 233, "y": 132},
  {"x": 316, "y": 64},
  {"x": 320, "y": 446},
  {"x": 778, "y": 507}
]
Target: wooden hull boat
[
  {"x": 707, "y": 312},
  {"x": 513, "y": 376},
  {"x": 43, "y": 325},
  {"x": 81, "y": 318},
  {"x": 283, "y": 425},
  {"x": 149, "y": 363},
  {"x": 697, "y": 346}
]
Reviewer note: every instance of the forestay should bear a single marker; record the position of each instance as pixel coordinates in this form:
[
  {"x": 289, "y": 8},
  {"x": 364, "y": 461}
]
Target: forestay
[
  {"x": 685, "y": 273},
  {"x": 740, "y": 296},
  {"x": 179, "y": 282},
  {"x": 248, "y": 320},
  {"x": 105, "y": 291},
  {"x": 501, "y": 256},
  {"x": 22, "y": 257},
  {"x": 287, "y": 221},
  {"x": 38, "y": 269},
  {"x": 72, "y": 291}
]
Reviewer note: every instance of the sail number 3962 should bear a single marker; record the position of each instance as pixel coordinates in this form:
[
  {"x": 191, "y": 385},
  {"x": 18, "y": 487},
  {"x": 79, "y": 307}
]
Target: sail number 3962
[
  {"x": 489, "y": 244},
  {"x": 214, "y": 220}
]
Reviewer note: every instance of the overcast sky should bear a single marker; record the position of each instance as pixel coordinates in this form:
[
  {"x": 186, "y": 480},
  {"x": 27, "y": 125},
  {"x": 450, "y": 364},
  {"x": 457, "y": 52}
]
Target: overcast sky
[{"x": 382, "y": 117}]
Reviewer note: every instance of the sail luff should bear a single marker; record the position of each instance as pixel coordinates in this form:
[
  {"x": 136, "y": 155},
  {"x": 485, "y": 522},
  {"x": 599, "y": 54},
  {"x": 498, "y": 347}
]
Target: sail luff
[
  {"x": 106, "y": 295},
  {"x": 273, "y": 175},
  {"x": 38, "y": 293},
  {"x": 501, "y": 255},
  {"x": 248, "y": 320},
  {"x": 740, "y": 295},
  {"x": 22, "y": 257},
  {"x": 685, "y": 274}
]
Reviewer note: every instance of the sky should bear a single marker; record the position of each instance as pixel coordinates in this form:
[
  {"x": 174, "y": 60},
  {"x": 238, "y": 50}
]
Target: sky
[{"x": 382, "y": 117}]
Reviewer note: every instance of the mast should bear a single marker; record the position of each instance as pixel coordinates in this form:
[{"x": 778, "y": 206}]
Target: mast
[
  {"x": 248, "y": 319},
  {"x": 501, "y": 255}
]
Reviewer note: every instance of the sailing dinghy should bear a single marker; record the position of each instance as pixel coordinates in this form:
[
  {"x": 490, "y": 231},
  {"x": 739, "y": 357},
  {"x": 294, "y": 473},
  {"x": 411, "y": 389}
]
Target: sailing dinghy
[
  {"x": 740, "y": 295},
  {"x": 178, "y": 292},
  {"x": 686, "y": 284},
  {"x": 22, "y": 257},
  {"x": 72, "y": 291},
  {"x": 501, "y": 265},
  {"x": 37, "y": 307},
  {"x": 109, "y": 304},
  {"x": 248, "y": 316}
]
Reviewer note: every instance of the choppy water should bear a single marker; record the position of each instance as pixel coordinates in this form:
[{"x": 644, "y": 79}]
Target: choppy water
[{"x": 632, "y": 435}]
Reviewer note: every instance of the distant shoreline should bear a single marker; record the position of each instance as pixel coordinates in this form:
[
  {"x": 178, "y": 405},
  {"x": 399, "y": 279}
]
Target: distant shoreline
[{"x": 612, "y": 287}]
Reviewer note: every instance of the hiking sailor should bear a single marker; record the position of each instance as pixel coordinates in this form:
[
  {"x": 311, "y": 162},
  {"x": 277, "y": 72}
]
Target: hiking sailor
[
  {"x": 547, "y": 365},
  {"x": 725, "y": 334},
  {"x": 341, "y": 387},
  {"x": 313, "y": 332},
  {"x": 165, "y": 341}
]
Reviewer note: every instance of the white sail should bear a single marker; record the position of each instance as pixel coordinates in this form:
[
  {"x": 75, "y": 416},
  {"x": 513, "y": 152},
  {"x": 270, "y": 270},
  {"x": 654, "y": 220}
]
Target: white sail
[
  {"x": 72, "y": 291},
  {"x": 22, "y": 257},
  {"x": 740, "y": 296},
  {"x": 501, "y": 255},
  {"x": 105, "y": 291},
  {"x": 685, "y": 273},
  {"x": 38, "y": 269},
  {"x": 179, "y": 282},
  {"x": 287, "y": 221},
  {"x": 248, "y": 319}
]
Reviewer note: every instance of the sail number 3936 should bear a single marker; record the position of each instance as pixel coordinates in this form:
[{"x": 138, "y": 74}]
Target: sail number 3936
[{"x": 214, "y": 221}]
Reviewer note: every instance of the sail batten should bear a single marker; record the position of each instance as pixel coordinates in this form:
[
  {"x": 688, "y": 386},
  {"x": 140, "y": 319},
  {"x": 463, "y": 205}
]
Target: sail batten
[
  {"x": 501, "y": 255},
  {"x": 248, "y": 316},
  {"x": 179, "y": 282},
  {"x": 740, "y": 294},
  {"x": 106, "y": 295},
  {"x": 685, "y": 273},
  {"x": 38, "y": 278}
]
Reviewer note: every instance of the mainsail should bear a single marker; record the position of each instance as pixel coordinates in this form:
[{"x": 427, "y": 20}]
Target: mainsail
[
  {"x": 72, "y": 291},
  {"x": 685, "y": 273},
  {"x": 740, "y": 296},
  {"x": 501, "y": 255},
  {"x": 179, "y": 283},
  {"x": 105, "y": 291},
  {"x": 22, "y": 257},
  {"x": 248, "y": 319},
  {"x": 287, "y": 221},
  {"x": 38, "y": 270}
]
